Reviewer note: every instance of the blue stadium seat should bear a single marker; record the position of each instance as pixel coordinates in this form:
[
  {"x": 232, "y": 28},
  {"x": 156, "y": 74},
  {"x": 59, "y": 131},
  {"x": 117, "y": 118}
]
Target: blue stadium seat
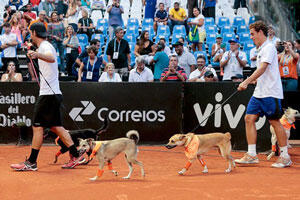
[
  {"x": 242, "y": 29},
  {"x": 147, "y": 22},
  {"x": 209, "y": 47},
  {"x": 238, "y": 21},
  {"x": 150, "y": 29},
  {"x": 83, "y": 38},
  {"x": 132, "y": 30},
  {"x": 99, "y": 37},
  {"x": 227, "y": 29},
  {"x": 132, "y": 60},
  {"x": 179, "y": 29},
  {"x": 197, "y": 53},
  {"x": 228, "y": 36},
  {"x": 248, "y": 46},
  {"x": 244, "y": 37},
  {"x": 132, "y": 22},
  {"x": 130, "y": 38},
  {"x": 223, "y": 21},
  {"x": 209, "y": 21},
  {"x": 163, "y": 30},
  {"x": 131, "y": 46},
  {"x": 175, "y": 37},
  {"x": 162, "y": 36},
  {"x": 102, "y": 26},
  {"x": 211, "y": 29},
  {"x": 251, "y": 20},
  {"x": 211, "y": 38}
]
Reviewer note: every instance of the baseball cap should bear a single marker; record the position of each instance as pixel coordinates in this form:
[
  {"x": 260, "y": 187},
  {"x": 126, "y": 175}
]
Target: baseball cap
[
  {"x": 177, "y": 43},
  {"x": 237, "y": 76},
  {"x": 39, "y": 29},
  {"x": 208, "y": 73},
  {"x": 219, "y": 36},
  {"x": 234, "y": 40}
]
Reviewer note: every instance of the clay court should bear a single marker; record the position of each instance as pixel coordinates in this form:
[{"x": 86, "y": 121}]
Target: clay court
[{"x": 161, "y": 181}]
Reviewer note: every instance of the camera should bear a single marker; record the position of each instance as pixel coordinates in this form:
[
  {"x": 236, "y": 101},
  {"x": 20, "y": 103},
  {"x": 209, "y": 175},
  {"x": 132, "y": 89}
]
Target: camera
[{"x": 280, "y": 46}]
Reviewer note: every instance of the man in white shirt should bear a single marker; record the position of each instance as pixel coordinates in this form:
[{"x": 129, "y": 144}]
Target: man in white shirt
[
  {"x": 233, "y": 61},
  {"x": 140, "y": 73},
  {"x": 9, "y": 44},
  {"x": 253, "y": 58},
  {"x": 47, "y": 110},
  {"x": 198, "y": 75},
  {"x": 266, "y": 99},
  {"x": 186, "y": 60}
]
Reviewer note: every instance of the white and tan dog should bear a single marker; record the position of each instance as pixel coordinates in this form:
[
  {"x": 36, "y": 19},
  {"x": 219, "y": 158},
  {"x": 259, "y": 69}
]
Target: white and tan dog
[
  {"x": 287, "y": 120},
  {"x": 107, "y": 150},
  {"x": 196, "y": 145}
]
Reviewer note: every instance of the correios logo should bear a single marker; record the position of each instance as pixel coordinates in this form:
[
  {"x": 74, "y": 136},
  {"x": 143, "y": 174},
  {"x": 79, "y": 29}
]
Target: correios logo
[
  {"x": 89, "y": 108},
  {"x": 233, "y": 119},
  {"x": 117, "y": 115}
]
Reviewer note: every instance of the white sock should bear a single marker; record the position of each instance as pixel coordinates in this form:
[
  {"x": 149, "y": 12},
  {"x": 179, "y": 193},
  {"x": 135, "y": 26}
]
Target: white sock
[
  {"x": 252, "y": 149},
  {"x": 284, "y": 152}
]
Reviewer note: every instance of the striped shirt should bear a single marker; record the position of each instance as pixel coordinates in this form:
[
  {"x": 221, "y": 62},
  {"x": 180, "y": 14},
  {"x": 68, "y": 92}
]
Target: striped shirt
[{"x": 173, "y": 77}]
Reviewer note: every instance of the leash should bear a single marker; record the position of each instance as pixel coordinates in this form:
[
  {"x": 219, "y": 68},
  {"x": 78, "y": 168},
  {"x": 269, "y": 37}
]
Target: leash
[
  {"x": 215, "y": 110},
  {"x": 33, "y": 66}
]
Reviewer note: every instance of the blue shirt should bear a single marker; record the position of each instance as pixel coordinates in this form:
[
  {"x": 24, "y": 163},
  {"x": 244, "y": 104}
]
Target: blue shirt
[
  {"x": 161, "y": 62},
  {"x": 88, "y": 67},
  {"x": 115, "y": 16},
  {"x": 161, "y": 14},
  {"x": 209, "y": 3}
]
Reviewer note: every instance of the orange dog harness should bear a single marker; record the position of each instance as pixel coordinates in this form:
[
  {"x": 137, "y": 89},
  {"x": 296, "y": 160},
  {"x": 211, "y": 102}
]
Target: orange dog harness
[
  {"x": 192, "y": 149},
  {"x": 96, "y": 148},
  {"x": 286, "y": 125}
]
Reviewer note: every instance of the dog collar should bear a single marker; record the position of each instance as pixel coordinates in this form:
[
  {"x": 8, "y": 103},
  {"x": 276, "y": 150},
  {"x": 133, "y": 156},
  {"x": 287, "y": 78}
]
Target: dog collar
[
  {"x": 286, "y": 124},
  {"x": 192, "y": 148}
]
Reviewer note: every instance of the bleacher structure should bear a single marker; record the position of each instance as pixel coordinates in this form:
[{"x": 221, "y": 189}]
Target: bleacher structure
[{"x": 227, "y": 23}]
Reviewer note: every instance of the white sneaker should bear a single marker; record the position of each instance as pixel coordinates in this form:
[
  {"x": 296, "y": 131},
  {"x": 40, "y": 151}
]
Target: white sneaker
[
  {"x": 247, "y": 159},
  {"x": 282, "y": 162}
]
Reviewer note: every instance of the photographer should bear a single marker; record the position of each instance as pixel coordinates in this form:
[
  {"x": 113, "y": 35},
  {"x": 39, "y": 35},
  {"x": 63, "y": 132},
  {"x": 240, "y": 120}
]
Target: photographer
[
  {"x": 288, "y": 67},
  {"x": 115, "y": 12}
]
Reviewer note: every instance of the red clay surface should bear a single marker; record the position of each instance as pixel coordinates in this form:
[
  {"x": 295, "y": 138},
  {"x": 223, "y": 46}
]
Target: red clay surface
[{"x": 161, "y": 181}]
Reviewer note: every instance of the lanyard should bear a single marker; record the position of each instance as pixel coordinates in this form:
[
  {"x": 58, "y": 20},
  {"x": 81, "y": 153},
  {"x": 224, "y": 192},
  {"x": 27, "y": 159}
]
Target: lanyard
[
  {"x": 118, "y": 46},
  {"x": 286, "y": 60},
  {"x": 113, "y": 76},
  {"x": 87, "y": 67}
]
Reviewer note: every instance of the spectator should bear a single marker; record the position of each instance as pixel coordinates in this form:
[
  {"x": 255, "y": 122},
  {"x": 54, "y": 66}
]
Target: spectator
[
  {"x": 42, "y": 19},
  {"x": 78, "y": 62},
  {"x": 71, "y": 43},
  {"x": 115, "y": 20},
  {"x": 209, "y": 8},
  {"x": 186, "y": 60},
  {"x": 173, "y": 73},
  {"x": 99, "y": 5},
  {"x": 177, "y": 16},
  {"x": 91, "y": 66},
  {"x": 140, "y": 73},
  {"x": 118, "y": 52},
  {"x": 35, "y": 5},
  {"x": 165, "y": 2},
  {"x": 160, "y": 17},
  {"x": 72, "y": 14},
  {"x": 11, "y": 75},
  {"x": 271, "y": 35},
  {"x": 239, "y": 3},
  {"x": 167, "y": 49},
  {"x": 16, "y": 3},
  {"x": 197, "y": 23},
  {"x": 22, "y": 26},
  {"x": 233, "y": 61},
  {"x": 288, "y": 67},
  {"x": 85, "y": 24},
  {"x": 55, "y": 36},
  {"x": 48, "y": 6},
  {"x": 149, "y": 8},
  {"x": 218, "y": 49},
  {"x": 145, "y": 47},
  {"x": 185, "y": 48},
  {"x": 191, "y": 5},
  {"x": 297, "y": 46},
  {"x": 109, "y": 74},
  {"x": 86, "y": 3},
  {"x": 161, "y": 61},
  {"x": 16, "y": 28},
  {"x": 61, "y": 8},
  {"x": 9, "y": 44},
  {"x": 7, "y": 14},
  {"x": 253, "y": 58},
  {"x": 198, "y": 75},
  {"x": 209, "y": 77},
  {"x": 237, "y": 78},
  {"x": 29, "y": 16}
]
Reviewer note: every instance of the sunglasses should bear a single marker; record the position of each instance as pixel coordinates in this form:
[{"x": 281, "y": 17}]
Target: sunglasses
[{"x": 211, "y": 76}]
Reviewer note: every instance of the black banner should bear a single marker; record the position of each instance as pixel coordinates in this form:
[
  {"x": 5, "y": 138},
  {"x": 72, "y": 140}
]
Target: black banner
[{"x": 201, "y": 99}]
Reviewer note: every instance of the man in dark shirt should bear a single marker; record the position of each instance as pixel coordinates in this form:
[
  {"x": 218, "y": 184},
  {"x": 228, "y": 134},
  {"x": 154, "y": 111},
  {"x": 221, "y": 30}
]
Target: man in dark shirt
[
  {"x": 160, "y": 17},
  {"x": 61, "y": 8},
  {"x": 118, "y": 52}
]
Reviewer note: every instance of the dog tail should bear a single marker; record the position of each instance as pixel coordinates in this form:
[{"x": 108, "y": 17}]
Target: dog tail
[
  {"x": 134, "y": 135},
  {"x": 103, "y": 127},
  {"x": 228, "y": 135}
]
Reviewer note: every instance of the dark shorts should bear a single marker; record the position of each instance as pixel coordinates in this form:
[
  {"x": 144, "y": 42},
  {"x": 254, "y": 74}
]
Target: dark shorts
[
  {"x": 48, "y": 111},
  {"x": 269, "y": 106}
]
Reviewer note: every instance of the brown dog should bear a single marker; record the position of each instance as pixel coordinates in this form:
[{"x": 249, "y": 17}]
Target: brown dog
[{"x": 196, "y": 145}]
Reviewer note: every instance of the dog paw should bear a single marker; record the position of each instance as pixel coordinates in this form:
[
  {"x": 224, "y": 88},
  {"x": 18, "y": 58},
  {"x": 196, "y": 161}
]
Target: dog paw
[
  {"x": 126, "y": 177},
  {"x": 181, "y": 173},
  {"x": 205, "y": 171},
  {"x": 115, "y": 172},
  {"x": 94, "y": 178},
  {"x": 228, "y": 170}
]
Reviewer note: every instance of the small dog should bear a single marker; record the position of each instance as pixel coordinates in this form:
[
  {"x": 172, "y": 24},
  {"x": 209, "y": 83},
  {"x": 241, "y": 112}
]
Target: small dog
[
  {"x": 108, "y": 150},
  {"x": 196, "y": 145},
  {"x": 287, "y": 120},
  {"x": 83, "y": 134}
]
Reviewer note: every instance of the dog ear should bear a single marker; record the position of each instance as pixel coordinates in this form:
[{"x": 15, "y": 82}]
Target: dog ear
[
  {"x": 182, "y": 137},
  {"x": 79, "y": 139}
]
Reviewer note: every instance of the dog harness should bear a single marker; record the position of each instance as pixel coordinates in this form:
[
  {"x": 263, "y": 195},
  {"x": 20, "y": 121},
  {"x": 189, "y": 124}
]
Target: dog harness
[
  {"x": 286, "y": 125},
  {"x": 96, "y": 148},
  {"x": 192, "y": 148}
]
